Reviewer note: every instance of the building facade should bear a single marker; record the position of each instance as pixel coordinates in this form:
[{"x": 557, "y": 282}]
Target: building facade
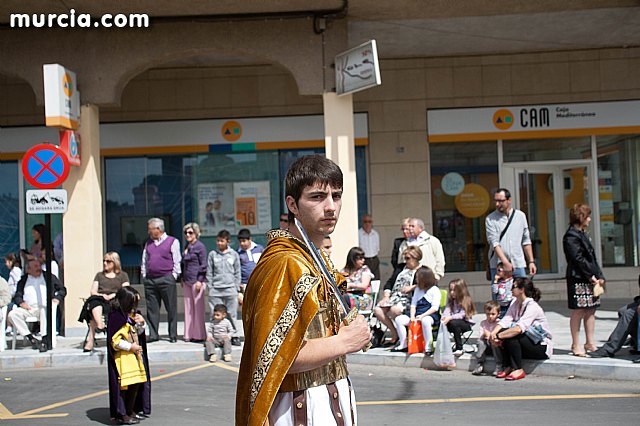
[{"x": 156, "y": 122}]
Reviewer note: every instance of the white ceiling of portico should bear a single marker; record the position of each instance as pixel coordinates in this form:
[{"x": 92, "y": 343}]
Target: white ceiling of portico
[{"x": 408, "y": 28}]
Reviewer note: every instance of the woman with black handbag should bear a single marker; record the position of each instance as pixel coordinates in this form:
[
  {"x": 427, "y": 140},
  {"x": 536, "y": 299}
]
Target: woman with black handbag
[
  {"x": 523, "y": 332},
  {"x": 585, "y": 281}
]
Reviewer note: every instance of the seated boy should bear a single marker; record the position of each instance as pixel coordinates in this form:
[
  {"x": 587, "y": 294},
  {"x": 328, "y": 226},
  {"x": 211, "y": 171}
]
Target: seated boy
[{"x": 219, "y": 332}]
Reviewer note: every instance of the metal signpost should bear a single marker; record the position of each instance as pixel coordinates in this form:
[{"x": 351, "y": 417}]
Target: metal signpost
[{"x": 45, "y": 166}]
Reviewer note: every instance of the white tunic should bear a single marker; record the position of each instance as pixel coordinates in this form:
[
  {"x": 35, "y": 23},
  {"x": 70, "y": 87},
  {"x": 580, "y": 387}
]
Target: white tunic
[{"x": 318, "y": 406}]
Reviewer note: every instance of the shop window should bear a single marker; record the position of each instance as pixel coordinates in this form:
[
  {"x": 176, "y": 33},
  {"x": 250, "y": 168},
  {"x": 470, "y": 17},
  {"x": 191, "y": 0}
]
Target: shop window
[
  {"x": 546, "y": 149},
  {"x": 217, "y": 190},
  {"x": 9, "y": 218},
  {"x": 617, "y": 187},
  {"x": 463, "y": 178},
  {"x": 287, "y": 157}
]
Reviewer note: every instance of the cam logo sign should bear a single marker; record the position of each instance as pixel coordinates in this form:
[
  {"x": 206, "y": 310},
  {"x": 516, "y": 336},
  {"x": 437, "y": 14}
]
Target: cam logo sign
[
  {"x": 503, "y": 119},
  {"x": 231, "y": 131},
  {"x": 533, "y": 121},
  {"x": 61, "y": 97}
]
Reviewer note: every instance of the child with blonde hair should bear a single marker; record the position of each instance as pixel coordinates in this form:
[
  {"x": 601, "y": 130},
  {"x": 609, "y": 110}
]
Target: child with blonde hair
[
  {"x": 458, "y": 313},
  {"x": 492, "y": 312}
]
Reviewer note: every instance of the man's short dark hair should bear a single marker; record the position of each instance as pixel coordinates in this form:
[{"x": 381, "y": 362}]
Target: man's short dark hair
[
  {"x": 310, "y": 170},
  {"x": 244, "y": 234},
  {"x": 507, "y": 193},
  {"x": 224, "y": 234},
  {"x": 220, "y": 308}
]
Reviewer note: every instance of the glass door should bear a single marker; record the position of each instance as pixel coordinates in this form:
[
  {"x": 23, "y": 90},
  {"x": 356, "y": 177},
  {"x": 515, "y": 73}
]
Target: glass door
[{"x": 545, "y": 192}]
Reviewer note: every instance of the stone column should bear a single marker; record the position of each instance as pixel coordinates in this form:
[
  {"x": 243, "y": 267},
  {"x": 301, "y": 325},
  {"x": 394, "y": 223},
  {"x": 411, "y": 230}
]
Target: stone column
[
  {"x": 82, "y": 223},
  {"x": 340, "y": 147}
]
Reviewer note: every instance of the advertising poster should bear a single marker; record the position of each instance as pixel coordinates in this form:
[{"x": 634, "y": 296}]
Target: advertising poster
[
  {"x": 252, "y": 206},
  {"x": 215, "y": 208}
]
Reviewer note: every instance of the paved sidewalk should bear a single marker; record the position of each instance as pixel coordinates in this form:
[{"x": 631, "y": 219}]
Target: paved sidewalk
[{"x": 68, "y": 352}]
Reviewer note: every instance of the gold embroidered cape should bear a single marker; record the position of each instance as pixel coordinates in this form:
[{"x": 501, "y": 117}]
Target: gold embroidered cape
[{"x": 281, "y": 299}]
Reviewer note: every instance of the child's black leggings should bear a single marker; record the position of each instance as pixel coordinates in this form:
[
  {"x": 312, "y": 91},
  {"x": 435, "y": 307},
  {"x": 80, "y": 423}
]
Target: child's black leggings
[{"x": 130, "y": 397}]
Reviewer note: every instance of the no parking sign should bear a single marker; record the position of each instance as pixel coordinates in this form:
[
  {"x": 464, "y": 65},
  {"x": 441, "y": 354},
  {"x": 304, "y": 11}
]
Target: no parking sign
[{"x": 45, "y": 166}]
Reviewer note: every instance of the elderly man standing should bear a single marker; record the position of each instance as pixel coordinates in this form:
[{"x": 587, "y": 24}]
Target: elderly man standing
[
  {"x": 31, "y": 295},
  {"x": 369, "y": 241},
  {"x": 160, "y": 270},
  {"x": 508, "y": 237},
  {"x": 429, "y": 245}
]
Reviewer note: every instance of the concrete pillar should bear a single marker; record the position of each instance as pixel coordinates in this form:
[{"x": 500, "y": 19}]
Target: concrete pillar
[
  {"x": 82, "y": 223},
  {"x": 340, "y": 147}
]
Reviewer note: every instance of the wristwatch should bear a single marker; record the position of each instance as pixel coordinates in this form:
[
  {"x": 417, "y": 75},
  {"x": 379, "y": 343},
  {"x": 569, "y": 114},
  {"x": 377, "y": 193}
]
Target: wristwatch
[{"x": 531, "y": 261}]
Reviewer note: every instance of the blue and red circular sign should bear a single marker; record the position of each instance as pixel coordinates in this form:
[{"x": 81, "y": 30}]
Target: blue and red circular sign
[{"x": 45, "y": 166}]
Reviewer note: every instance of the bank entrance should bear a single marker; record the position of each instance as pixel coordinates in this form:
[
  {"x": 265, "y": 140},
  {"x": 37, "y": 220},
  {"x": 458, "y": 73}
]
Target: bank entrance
[{"x": 545, "y": 191}]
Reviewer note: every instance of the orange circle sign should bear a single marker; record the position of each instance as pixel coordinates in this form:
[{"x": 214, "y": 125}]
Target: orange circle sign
[
  {"x": 231, "y": 131},
  {"x": 67, "y": 85},
  {"x": 503, "y": 119},
  {"x": 473, "y": 201}
]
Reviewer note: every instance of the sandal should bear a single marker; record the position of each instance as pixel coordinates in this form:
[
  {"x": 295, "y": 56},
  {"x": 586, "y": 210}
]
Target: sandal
[
  {"x": 590, "y": 348},
  {"x": 574, "y": 352}
]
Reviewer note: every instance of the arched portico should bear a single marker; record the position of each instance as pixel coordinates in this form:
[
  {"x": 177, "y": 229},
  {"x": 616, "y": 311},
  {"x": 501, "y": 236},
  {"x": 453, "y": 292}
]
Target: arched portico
[{"x": 105, "y": 61}]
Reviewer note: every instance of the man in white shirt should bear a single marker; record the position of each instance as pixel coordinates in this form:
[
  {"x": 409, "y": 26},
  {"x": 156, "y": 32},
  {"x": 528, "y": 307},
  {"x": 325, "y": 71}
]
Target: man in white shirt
[
  {"x": 30, "y": 297},
  {"x": 369, "y": 241},
  {"x": 508, "y": 237}
]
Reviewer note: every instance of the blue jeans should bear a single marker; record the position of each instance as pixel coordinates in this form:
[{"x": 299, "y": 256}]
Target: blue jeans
[{"x": 517, "y": 272}]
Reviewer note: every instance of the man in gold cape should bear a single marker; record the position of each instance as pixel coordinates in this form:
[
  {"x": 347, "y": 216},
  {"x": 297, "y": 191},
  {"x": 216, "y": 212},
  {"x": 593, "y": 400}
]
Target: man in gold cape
[{"x": 285, "y": 296}]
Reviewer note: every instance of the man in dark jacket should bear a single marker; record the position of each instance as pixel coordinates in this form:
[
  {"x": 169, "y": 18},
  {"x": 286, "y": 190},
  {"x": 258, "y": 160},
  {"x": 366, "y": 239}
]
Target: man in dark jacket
[{"x": 30, "y": 297}]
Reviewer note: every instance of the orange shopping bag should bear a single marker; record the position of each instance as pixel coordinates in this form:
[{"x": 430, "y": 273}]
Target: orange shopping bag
[{"x": 416, "y": 338}]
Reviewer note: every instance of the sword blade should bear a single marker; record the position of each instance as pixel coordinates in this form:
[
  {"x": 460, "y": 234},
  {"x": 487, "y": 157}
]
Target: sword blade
[{"x": 322, "y": 267}]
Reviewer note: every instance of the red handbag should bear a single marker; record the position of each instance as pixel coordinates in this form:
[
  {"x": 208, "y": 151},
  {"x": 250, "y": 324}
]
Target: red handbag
[{"x": 416, "y": 338}]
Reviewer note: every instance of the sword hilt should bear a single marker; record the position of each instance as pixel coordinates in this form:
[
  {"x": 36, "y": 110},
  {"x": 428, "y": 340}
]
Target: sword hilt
[{"x": 351, "y": 316}]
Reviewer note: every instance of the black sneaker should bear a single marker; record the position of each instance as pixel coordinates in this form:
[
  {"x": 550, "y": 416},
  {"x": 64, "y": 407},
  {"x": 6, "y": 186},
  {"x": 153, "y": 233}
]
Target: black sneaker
[
  {"x": 35, "y": 343},
  {"x": 235, "y": 341}
]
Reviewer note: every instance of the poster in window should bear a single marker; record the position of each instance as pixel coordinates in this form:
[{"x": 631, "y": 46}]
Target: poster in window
[
  {"x": 253, "y": 205},
  {"x": 215, "y": 208}
]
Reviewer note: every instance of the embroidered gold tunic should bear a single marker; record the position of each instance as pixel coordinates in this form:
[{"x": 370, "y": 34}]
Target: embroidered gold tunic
[{"x": 287, "y": 300}]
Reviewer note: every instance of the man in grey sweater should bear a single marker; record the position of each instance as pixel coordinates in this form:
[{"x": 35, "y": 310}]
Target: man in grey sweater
[
  {"x": 223, "y": 277},
  {"x": 508, "y": 237}
]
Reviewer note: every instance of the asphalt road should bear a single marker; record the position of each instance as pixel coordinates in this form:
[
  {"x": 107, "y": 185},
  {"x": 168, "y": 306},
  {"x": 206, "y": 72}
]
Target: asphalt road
[{"x": 203, "y": 394}]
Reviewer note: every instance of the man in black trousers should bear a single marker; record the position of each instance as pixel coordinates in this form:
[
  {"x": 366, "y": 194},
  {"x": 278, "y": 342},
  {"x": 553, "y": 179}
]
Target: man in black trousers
[
  {"x": 160, "y": 270},
  {"x": 627, "y": 325}
]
